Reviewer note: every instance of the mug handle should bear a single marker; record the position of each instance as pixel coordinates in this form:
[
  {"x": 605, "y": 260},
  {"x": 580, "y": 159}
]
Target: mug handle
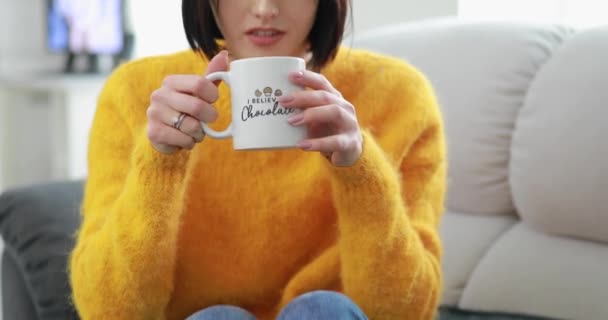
[{"x": 215, "y": 76}]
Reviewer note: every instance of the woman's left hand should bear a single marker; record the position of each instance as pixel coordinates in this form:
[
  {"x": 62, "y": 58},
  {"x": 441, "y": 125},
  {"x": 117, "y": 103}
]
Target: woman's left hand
[{"x": 332, "y": 123}]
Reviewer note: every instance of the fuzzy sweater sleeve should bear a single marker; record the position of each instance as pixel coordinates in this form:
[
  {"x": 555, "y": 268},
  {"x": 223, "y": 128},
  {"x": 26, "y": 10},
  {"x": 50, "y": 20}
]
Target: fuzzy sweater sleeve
[
  {"x": 123, "y": 263},
  {"x": 389, "y": 202}
]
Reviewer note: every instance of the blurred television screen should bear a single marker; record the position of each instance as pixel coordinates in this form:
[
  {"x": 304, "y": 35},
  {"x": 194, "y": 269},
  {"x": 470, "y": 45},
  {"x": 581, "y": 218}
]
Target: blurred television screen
[{"x": 85, "y": 26}]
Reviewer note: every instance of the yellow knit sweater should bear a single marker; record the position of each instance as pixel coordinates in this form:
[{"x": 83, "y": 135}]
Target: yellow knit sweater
[{"x": 166, "y": 235}]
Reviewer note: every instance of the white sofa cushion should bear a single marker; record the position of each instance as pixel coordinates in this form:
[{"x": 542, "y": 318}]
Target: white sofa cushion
[
  {"x": 559, "y": 166},
  {"x": 481, "y": 73},
  {"x": 530, "y": 272},
  {"x": 466, "y": 239}
]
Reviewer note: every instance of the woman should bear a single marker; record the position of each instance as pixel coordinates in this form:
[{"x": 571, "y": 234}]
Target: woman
[{"x": 344, "y": 227}]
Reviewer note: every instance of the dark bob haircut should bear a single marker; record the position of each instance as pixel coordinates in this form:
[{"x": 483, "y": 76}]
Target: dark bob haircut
[{"x": 325, "y": 36}]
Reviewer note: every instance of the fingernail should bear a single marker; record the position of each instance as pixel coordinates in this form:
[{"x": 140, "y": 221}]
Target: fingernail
[
  {"x": 200, "y": 136},
  {"x": 286, "y": 99},
  {"x": 298, "y": 74},
  {"x": 296, "y": 120},
  {"x": 209, "y": 115},
  {"x": 305, "y": 145},
  {"x": 228, "y": 56}
]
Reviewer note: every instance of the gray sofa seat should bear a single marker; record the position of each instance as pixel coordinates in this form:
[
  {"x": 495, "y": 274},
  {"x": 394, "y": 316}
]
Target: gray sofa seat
[{"x": 38, "y": 225}]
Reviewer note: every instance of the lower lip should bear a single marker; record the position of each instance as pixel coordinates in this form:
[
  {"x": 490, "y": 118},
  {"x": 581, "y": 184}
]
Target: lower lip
[{"x": 264, "y": 41}]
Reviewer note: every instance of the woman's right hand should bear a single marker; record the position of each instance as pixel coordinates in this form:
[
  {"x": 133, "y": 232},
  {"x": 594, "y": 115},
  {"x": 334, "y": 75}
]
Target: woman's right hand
[{"x": 191, "y": 95}]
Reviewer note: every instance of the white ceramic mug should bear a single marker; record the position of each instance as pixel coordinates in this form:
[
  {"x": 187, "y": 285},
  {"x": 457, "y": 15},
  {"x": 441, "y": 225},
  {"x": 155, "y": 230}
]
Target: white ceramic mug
[{"x": 258, "y": 120}]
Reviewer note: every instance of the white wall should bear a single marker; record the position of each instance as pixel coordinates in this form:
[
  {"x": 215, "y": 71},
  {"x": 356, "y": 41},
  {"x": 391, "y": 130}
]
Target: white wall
[
  {"x": 372, "y": 13},
  {"x": 156, "y": 37},
  {"x": 22, "y": 37},
  {"x": 159, "y": 29},
  {"x": 3, "y": 122},
  {"x": 577, "y": 13}
]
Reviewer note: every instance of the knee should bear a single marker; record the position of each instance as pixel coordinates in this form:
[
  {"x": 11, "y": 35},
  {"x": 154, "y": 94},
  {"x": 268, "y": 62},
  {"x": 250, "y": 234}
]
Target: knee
[
  {"x": 222, "y": 312},
  {"x": 322, "y": 305}
]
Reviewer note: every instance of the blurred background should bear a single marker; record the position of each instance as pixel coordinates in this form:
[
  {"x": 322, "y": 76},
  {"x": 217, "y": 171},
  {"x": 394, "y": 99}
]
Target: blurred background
[{"x": 55, "y": 56}]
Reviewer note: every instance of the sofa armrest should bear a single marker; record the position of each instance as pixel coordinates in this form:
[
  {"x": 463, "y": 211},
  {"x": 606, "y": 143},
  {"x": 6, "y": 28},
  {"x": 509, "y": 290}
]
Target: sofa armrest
[{"x": 38, "y": 225}]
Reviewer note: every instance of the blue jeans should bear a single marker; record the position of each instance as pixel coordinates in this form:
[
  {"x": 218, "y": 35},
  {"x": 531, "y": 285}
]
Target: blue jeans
[{"x": 317, "y": 305}]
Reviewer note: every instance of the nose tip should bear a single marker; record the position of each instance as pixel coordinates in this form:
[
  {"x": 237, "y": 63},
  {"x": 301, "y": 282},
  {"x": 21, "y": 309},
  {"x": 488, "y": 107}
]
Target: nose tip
[{"x": 265, "y": 9}]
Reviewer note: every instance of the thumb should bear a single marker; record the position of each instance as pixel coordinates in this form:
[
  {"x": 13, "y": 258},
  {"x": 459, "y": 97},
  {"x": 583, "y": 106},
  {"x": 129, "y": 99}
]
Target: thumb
[{"x": 218, "y": 63}]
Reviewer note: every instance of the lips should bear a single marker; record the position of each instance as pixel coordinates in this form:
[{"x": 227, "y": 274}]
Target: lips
[{"x": 264, "y": 36}]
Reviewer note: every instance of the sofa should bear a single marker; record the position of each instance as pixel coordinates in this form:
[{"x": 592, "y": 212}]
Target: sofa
[
  {"x": 525, "y": 106},
  {"x": 38, "y": 224},
  {"x": 524, "y": 232}
]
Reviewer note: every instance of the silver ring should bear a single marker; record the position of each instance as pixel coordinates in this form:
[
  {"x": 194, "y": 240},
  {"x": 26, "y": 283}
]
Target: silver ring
[{"x": 179, "y": 120}]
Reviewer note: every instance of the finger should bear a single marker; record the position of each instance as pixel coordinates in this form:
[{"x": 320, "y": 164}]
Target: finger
[
  {"x": 313, "y": 80},
  {"x": 163, "y": 148},
  {"x": 329, "y": 114},
  {"x": 194, "y": 85},
  {"x": 197, "y": 85},
  {"x": 161, "y": 134},
  {"x": 219, "y": 63},
  {"x": 329, "y": 144},
  {"x": 309, "y": 98},
  {"x": 185, "y": 103},
  {"x": 170, "y": 117},
  {"x": 192, "y": 127}
]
